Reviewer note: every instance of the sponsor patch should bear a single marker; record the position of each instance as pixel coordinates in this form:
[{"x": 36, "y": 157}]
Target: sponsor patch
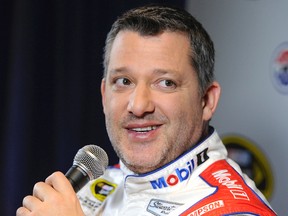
[
  {"x": 225, "y": 178},
  {"x": 207, "y": 208},
  {"x": 101, "y": 188},
  {"x": 182, "y": 173},
  {"x": 252, "y": 161},
  {"x": 161, "y": 207},
  {"x": 233, "y": 195},
  {"x": 86, "y": 202}
]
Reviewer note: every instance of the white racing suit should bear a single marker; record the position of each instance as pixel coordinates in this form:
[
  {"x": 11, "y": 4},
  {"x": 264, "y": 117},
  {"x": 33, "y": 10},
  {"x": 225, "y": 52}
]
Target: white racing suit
[{"x": 202, "y": 181}]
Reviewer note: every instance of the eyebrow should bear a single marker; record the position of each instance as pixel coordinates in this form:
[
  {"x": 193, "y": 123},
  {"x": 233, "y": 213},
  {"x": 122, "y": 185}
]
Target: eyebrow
[
  {"x": 156, "y": 71},
  {"x": 162, "y": 71},
  {"x": 118, "y": 70}
]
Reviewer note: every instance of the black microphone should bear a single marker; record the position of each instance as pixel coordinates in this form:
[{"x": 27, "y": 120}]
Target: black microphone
[{"x": 89, "y": 163}]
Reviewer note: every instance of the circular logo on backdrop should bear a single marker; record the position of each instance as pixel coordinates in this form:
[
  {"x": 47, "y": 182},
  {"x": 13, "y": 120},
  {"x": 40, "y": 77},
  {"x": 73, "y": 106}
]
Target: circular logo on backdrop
[
  {"x": 279, "y": 68},
  {"x": 252, "y": 162}
]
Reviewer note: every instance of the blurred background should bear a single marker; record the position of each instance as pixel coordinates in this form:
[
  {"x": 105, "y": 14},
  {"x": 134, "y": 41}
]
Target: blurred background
[{"x": 51, "y": 69}]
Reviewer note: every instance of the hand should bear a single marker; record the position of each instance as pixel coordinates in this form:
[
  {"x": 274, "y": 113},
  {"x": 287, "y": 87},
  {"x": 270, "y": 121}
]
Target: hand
[{"x": 54, "y": 197}]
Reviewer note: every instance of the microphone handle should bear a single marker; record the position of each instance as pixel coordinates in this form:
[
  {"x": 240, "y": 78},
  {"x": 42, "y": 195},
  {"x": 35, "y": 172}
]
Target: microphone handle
[{"x": 77, "y": 177}]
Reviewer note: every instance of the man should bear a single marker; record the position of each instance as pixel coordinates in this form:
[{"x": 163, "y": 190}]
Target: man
[{"x": 158, "y": 95}]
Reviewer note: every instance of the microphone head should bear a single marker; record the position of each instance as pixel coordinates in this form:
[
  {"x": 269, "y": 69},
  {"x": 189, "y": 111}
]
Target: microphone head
[{"x": 92, "y": 159}]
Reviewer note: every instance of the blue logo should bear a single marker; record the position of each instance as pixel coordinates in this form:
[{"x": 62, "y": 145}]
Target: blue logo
[{"x": 180, "y": 174}]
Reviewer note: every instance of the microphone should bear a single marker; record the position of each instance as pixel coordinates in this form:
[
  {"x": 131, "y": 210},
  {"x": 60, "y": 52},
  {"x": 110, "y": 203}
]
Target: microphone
[{"x": 89, "y": 163}]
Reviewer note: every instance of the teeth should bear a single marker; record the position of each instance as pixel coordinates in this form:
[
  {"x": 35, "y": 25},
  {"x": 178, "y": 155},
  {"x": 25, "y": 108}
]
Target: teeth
[{"x": 146, "y": 129}]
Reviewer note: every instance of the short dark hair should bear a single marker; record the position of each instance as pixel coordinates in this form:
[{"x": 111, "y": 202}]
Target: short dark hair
[{"x": 155, "y": 19}]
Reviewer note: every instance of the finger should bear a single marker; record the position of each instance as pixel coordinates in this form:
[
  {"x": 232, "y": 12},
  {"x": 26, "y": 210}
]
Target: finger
[
  {"x": 22, "y": 211},
  {"x": 60, "y": 183},
  {"x": 41, "y": 190},
  {"x": 31, "y": 203}
]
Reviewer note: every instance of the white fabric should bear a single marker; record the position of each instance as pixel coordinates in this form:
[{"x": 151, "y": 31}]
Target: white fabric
[{"x": 170, "y": 190}]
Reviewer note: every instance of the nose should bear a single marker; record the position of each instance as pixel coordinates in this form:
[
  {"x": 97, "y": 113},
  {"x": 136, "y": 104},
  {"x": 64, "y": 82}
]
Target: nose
[{"x": 140, "y": 101}]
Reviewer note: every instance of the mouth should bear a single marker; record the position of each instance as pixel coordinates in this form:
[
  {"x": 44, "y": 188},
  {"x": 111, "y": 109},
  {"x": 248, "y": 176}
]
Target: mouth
[
  {"x": 143, "y": 132},
  {"x": 143, "y": 129}
]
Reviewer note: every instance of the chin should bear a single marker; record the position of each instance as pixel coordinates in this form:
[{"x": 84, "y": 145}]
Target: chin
[
  {"x": 141, "y": 169},
  {"x": 141, "y": 166}
]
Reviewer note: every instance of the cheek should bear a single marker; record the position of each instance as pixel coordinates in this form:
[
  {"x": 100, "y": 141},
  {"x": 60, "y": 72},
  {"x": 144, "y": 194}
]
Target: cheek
[
  {"x": 114, "y": 105},
  {"x": 175, "y": 109},
  {"x": 188, "y": 107}
]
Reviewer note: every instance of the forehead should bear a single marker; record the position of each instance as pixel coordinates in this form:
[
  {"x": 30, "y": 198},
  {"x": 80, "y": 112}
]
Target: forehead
[
  {"x": 175, "y": 39},
  {"x": 168, "y": 49}
]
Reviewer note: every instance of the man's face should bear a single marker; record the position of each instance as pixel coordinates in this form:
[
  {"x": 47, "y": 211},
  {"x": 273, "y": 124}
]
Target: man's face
[{"x": 151, "y": 99}]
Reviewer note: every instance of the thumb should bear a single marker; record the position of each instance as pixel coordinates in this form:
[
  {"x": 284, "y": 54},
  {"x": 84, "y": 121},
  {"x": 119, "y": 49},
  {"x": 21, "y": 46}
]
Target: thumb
[{"x": 59, "y": 182}]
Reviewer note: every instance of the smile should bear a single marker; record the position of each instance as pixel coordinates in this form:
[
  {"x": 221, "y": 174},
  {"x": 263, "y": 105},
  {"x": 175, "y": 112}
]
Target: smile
[{"x": 144, "y": 129}]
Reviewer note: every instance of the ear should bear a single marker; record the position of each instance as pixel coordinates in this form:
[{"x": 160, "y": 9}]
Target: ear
[
  {"x": 103, "y": 86},
  {"x": 210, "y": 100}
]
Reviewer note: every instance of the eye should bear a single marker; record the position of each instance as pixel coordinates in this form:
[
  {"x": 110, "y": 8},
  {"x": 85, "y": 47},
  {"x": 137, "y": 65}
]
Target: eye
[
  {"x": 122, "y": 82},
  {"x": 167, "y": 84}
]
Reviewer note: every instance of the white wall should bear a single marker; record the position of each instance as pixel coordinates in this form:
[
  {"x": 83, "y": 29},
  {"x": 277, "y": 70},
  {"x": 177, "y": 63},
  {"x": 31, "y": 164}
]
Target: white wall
[{"x": 246, "y": 33}]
